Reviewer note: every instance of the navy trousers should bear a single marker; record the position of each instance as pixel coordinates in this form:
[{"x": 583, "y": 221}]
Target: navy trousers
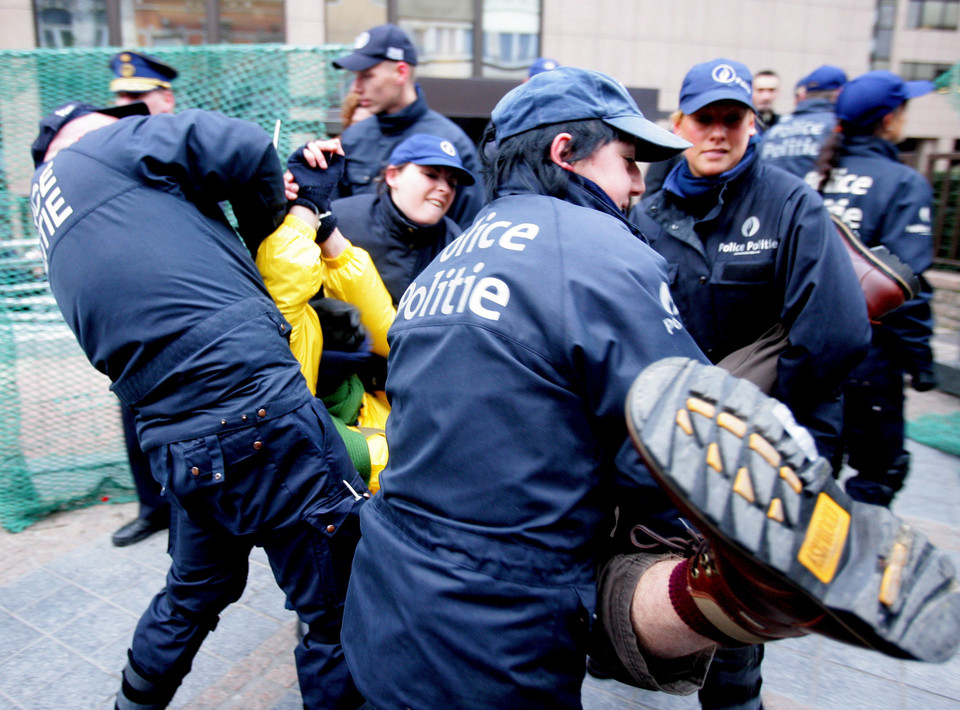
[{"x": 277, "y": 484}]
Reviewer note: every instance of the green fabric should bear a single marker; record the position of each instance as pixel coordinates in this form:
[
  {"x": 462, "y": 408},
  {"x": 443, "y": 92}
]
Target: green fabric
[
  {"x": 941, "y": 431},
  {"x": 356, "y": 444},
  {"x": 344, "y": 405},
  {"x": 345, "y": 401}
]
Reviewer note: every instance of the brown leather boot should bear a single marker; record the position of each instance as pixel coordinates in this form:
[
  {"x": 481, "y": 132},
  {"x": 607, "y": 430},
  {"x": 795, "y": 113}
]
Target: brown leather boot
[
  {"x": 886, "y": 281},
  {"x": 788, "y": 552}
]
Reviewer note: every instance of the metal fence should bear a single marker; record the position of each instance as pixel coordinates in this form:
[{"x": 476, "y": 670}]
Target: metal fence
[{"x": 61, "y": 442}]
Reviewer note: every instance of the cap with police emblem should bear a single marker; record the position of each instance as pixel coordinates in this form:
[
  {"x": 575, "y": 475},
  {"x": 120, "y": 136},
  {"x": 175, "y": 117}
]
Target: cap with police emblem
[
  {"x": 382, "y": 43},
  {"x": 433, "y": 151},
  {"x": 541, "y": 65},
  {"x": 136, "y": 73},
  {"x": 716, "y": 80}
]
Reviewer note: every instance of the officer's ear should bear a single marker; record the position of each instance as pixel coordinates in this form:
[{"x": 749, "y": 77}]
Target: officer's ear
[
  {"x": 752, "y": 117},
  {"x": 560, "y": 149}
]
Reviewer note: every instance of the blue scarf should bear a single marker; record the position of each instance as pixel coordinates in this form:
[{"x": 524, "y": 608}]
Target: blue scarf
[{"x": 685, "y": 185}]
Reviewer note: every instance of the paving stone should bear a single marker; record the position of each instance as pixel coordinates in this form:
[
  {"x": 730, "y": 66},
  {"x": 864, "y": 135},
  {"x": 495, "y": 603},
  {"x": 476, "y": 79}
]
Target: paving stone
[
  {"x": 290, "y": 701},
  {"x": 207, "y": 670},
  {"x": 787, "y": 673},
  {"x": 83, "y": 687},
  {"x": 270, "y": 601},
  {"x": 35, "y": 667},
  {"x": 26, "y": 590},
  {"x": 914, "y": 699},
  {"x": 97, "y": 628},
  {"x": 57, "y": 609},
  {"x": 841, "y": 687},
  {"x": 15, "y": 636},
  {"x": 239, "y": 632}
]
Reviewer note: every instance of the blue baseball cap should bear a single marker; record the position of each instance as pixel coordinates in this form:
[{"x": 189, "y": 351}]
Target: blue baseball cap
[
  {"x": 434, "y": 151},
  {"x": 716, "y": 80},
  {"x": 382, "y": 43},
  {"x": 868, "y": 98},
  {"x": 541, "y": 65},
  {"x": 572, "y": 94},
  {"x": 825, "y": 78},
  {"x": 136, "y": 73},
  {"x": 50, "y": 125}
]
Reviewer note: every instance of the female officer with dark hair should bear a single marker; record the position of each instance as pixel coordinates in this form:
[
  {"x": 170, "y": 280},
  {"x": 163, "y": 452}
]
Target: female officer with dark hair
[{"x": 890, "y": 206}]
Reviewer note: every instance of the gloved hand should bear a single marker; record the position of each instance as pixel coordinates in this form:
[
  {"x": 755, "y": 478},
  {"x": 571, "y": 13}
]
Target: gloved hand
[
  {"x": 923, "y": 380},
  {"x": 316, "y": 186}
]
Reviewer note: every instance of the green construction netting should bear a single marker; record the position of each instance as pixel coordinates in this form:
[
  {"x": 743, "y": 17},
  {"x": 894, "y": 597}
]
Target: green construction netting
[
  {"x": 61, "y": 442},
  {"x": 940, "y": 431}
]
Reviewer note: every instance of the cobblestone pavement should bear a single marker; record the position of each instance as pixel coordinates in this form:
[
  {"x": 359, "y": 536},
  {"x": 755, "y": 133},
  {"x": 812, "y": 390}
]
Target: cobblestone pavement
[{"x": 69, "y": 602}]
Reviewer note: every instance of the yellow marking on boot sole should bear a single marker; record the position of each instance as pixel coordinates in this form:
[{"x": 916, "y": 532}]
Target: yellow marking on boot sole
[
  {"x": 695, "y": 404},
  {"x": 788, "y": 475},
  {"x": 825, "y": 539},
  {"x": 765, "y": 449},
  {"x": 713, "y": 458},
  {"x": 732, "y": 424},
  {"x": 775, "y": 511},
  {"x": 683, "y": 421},
  {"x": 892, "y": 574},
  {"x": 744, "y": 486}
]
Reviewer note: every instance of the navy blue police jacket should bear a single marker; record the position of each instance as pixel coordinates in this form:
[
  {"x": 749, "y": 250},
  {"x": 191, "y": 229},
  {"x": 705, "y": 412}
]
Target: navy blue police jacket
[
  {"x": 399, "y": 248},
  {"x": 511, "y": 357},
  {"x": 369, "y": 143},
  {"x": 161, "y": 293},
  {"x": 795, "y": 142},
  {"x": 767, "y": 252},
  {"x": 888, "y": 203}
]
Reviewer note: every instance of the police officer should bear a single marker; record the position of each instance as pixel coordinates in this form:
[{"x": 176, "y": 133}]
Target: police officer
[
  {"x": 383, "y": 62},
  {"x": 759, "y": 278},
  {"x": 167, "y": 302},
  {"x": 140, "y": 77},
  {"x": 885, "y": 203},
  {"x": 795, "y": 142}
]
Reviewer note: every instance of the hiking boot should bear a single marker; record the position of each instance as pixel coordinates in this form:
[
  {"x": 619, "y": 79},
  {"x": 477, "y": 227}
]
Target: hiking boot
[
  {"x": 787, "y": 552},
  {"x": 886, "y": 281}
]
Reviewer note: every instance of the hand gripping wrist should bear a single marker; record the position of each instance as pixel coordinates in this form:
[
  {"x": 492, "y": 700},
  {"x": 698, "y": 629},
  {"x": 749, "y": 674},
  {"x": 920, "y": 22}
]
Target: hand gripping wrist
[{"x": 315, "y": 186}]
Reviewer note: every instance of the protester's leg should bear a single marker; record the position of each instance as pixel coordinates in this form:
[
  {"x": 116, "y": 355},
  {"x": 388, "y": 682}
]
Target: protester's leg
[
  {"x": 208, "y": 572},
  {"x": 787, "y": 552}
]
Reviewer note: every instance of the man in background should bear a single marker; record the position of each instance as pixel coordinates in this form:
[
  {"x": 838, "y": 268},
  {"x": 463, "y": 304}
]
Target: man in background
[
  {"x": 383, "y": 61},
  {"x": 795, "y": 142},
  {"x": 140, "y": 77},
  {"x": 766, "y": 89}
]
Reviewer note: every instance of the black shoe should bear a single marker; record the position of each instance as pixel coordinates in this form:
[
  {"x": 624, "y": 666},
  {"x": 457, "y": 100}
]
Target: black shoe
[
  {"x": 789, "y": 552},
  {"x": 137, "y": 530}
]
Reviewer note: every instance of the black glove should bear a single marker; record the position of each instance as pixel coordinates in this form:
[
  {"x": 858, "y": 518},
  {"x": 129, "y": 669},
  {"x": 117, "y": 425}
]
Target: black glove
[
  {"x": 340, "y": 323},
  {"x": 316, "y": 186},
  {"x": 923, "y": 380}
]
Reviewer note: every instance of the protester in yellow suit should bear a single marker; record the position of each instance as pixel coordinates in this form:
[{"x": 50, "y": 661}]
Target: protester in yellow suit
[{"x": 306, "y": 252}]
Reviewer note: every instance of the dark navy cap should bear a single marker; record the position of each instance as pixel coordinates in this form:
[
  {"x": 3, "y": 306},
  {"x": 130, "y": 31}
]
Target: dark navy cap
[
  {"x": 541, "y": 65},
  {"x": 868, "y": 98},
  {"x": 382, "y": 43},
  {"x": 434, "y": 151},
  {"x": 716, "y": 80},
  {"x": 572, "y": 94},
  {"x": 51, "y": 125},
  {"x": 136, "y": 73},
  {"x": 825, "y": 78}
]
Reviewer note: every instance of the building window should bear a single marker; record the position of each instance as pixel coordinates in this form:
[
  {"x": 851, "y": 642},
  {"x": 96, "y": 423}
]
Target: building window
[
  {"x": 883, "y": 34},
  {"x": 71, "y": 23},
  {"x": 923, "y": 71},
  {"x": 933, "y": 14}
]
